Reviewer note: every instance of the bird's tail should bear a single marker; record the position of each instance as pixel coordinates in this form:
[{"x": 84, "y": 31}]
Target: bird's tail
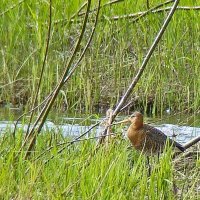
[{"x": 179, "y": 146}]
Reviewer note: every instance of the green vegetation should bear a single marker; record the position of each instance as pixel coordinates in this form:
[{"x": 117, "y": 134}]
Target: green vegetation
[
  {"x": 171, "y": 79},
  {"x": 113, "y": 172},
  {"x": 81, "y": 171}
]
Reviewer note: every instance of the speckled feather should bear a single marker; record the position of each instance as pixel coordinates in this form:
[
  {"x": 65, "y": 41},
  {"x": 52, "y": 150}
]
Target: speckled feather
[{"x": 148, "y": 139}]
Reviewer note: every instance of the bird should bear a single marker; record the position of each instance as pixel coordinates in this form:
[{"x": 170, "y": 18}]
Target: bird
[{"x": 146, "y": 138}]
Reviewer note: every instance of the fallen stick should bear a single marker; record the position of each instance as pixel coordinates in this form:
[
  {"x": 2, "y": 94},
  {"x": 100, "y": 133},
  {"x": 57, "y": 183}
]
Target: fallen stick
[{"x": 191, "y": 142}]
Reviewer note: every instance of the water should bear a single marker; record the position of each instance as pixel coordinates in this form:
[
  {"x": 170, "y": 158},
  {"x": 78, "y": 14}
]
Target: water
[{"x": 184, "y": 127}]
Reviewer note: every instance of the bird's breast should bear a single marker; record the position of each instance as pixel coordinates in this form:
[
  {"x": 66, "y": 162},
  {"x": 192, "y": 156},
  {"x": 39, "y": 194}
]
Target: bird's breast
[
  {"x": 142, "y": 139},
  {"x": 137, "y": 137}
]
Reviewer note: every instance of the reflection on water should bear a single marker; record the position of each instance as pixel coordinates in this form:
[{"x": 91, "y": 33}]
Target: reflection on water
[{"x": 71, "y": 126}]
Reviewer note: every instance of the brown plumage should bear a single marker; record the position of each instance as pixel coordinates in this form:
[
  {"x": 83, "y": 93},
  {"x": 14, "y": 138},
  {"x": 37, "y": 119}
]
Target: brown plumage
[{"x": 147, "y": 138}]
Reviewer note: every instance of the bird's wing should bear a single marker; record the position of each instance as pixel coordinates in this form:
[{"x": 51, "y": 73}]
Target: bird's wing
[
  {"x": 155, "y": 134},
  {"x": 159, "y": 137}
]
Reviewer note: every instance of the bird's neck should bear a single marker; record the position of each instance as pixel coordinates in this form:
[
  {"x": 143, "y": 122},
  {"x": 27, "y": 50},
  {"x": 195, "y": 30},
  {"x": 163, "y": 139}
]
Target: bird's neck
[{"x": 136, "y": 125}]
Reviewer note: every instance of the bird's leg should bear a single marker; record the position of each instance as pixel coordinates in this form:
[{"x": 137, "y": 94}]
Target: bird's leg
[
  {"x": 149, "y": 166},
  {"x": 158, "y": 156}
]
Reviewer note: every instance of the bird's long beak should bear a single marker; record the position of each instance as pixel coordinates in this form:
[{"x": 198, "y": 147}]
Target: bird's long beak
[{"x": 123, "y": 121}]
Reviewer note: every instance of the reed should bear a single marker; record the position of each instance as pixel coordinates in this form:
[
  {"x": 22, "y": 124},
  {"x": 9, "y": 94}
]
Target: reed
[
  {"x": 112, "y": 172},
  {"x": 171, "y": 78}
]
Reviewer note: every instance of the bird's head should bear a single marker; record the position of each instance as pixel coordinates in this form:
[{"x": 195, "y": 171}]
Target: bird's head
[{"x": 136, "y": 119}]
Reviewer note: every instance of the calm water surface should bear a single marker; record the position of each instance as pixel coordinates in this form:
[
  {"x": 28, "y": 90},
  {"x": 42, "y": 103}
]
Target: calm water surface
[{"x": 185, "y": 127}]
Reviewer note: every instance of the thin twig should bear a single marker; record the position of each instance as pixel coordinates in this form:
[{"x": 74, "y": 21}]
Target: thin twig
[
  {"x": 129, "y": 103},
  {"x": 178, "y": 8},
  {"x": 79, "y": 10},
  {"x": 24, "y": 63},
  {"x": 71, "y": 142},
  {"x": 46, "y": 109},
  {"x": 144, "y": 64},
  {"x": 79, "y": 14},
  {"x": 104, "y": 5},
  {"x": 11, "y": 8},
  {"x": 84, "y": 50},
  {"x": 17, "y": 121},
  {"x": 73, "y": 16},
  {"x": 146, "y": 59},
  {"x": 61, "y": 83},
  {"x": 129, "y": 16},
  {"x": 43, "y": 66},
  {"x": 152, "y": 9}
]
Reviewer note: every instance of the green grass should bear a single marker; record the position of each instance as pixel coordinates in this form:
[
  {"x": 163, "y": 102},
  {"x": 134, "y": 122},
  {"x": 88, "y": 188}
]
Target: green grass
[
  {"x": 113, "y": 172},
  {"x": 171, "y": 79},
  {"x": 117, "y": 50}
]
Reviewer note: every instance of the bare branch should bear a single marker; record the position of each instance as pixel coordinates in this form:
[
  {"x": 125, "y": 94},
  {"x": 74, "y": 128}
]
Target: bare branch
[
  {"x": 146, "y": 59},
  {"x": 143, "y": 66},
  {"x": 191, "y": 142}
]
